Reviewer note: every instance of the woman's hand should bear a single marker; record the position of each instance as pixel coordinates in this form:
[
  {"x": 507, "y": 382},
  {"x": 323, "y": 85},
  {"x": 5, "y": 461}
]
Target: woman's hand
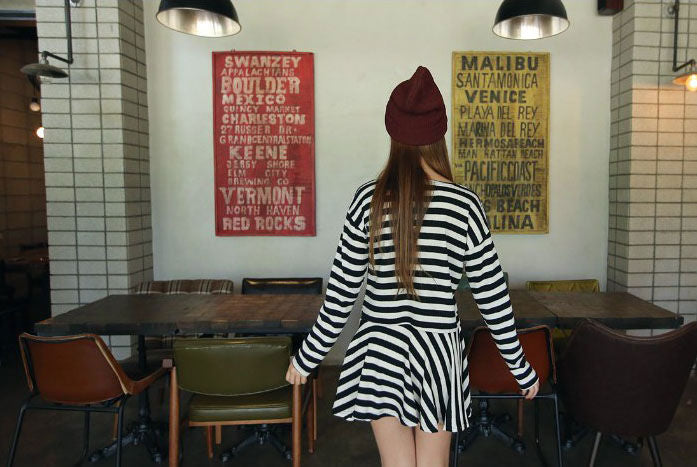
[
  {"x": 292, "y": 375},
  {"x": 530, "y": 392}
]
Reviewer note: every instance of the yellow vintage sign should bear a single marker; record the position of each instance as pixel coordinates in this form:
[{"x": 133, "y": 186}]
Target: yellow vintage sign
[{"x": 500, "y": 134}]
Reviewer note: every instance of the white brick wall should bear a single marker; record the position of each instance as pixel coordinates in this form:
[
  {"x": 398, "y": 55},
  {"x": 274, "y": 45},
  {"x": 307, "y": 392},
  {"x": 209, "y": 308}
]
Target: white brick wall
[
  {"x": 98, "y": 194},
  {"x": 653, "y": 232}
]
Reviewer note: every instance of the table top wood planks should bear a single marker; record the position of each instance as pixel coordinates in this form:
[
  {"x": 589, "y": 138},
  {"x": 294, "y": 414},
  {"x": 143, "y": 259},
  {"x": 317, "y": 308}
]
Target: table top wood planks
[
  {"x": 528, "y": 312},
  {"x": 158, "y": 315},
  {"x": 618, "y": 310}
]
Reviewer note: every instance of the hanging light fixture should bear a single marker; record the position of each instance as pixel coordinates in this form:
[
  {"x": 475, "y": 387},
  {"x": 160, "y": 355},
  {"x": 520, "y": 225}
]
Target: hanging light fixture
[
  {"x": 530, "y": 19},
  {"x": 209, "y": 18},
  {"x": 689, "y": 78},
  {"x": 43, "y": 70},
  {"x": 34, "y": 105},
  {"x": 40, "y": 132}
]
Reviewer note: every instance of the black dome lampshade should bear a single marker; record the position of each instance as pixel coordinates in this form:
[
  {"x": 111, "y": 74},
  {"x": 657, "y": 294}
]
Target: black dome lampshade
[
  {"x": 530, "y": 19},
  {"x": 209, "y": 18},
  {"x": 43, "y": 69}
]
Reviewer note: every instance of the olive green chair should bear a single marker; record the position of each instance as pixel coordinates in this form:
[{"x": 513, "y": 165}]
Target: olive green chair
[
  {"x": 574, "y": 285},
  {"x": 239, "y": 381}
]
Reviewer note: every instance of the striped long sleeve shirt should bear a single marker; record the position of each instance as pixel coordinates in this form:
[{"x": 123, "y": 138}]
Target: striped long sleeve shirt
[{"x": 454, "y": 238}]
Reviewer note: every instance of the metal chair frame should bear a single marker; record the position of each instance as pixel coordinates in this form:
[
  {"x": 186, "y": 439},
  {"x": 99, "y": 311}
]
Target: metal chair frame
[
  {"x": 487, "y": 428},
  {"x": 115, "y": 406},
  {"x": 487, "y": 425}
]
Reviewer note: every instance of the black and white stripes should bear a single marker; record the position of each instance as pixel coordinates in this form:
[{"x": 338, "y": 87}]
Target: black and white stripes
[{"x": 418, "y": 341}]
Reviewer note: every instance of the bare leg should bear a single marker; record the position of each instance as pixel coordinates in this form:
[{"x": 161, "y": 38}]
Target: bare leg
[
  {"x": 432, "y": 449},
  {"x": 395, "y": 442}
]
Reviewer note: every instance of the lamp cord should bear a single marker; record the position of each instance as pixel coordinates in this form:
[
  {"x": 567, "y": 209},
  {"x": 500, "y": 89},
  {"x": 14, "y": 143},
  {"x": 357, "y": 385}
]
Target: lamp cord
[
  {"x": 691, "y": 62},
  {"x": 69, "y": 35}
]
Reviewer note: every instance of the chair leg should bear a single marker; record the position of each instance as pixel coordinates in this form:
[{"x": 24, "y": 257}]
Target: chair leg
[
  {"x": 309, "y": 428},
  {"x": 209, "y": 441},
  {"x": 653, "y": 448},
  {"x": 557, "y": 429},
  {"x": 594, "y": 453},
  {"x": 116, "y": 424},
  {"x": 173, "y": 419},
  {"x": 119, "y": 433},
  {"x": 536, "y": 403},
  {"x": 314, "y": 408},
  {"x": 218, "y": 434},
  {"x": 455, "y": 449},
  {"x": 15, "y": 439},
  {"x": 319, "y": 384},
  {"x": 296, "y": 425},
  {"x": 86, "y": 437}
]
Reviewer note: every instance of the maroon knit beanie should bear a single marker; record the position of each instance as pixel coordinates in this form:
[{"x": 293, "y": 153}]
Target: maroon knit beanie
[{"x": 415, "y": 114}]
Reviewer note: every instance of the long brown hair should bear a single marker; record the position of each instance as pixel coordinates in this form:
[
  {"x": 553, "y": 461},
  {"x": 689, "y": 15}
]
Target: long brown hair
[{"x": 402, "y": 190}]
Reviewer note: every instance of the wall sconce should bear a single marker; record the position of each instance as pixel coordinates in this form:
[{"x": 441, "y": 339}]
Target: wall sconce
[
  {"x": 689, "y": 78},
  {"x": 44, "y": 70},
  {"x": 40, "y": 132},
  {"x": 531, "y": 19}
]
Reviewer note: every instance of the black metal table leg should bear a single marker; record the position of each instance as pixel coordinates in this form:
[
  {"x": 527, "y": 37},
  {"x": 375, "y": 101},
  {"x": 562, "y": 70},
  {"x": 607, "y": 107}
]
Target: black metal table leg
[
  {"x": 142, "y": 431},
  {"x": 85, "y": 438}
]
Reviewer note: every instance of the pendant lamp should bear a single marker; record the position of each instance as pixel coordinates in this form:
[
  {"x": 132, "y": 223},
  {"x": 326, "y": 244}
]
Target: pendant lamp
[
  {"x": 208, "y": 18},
  {"x": 530, "y": 19}
]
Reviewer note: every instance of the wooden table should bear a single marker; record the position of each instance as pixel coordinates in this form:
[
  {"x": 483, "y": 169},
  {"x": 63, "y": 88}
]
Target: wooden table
[
  {"x": 618, "y": 310},
  {"x": 158, "y": 315},
  {"x": 528, "y": 312}
]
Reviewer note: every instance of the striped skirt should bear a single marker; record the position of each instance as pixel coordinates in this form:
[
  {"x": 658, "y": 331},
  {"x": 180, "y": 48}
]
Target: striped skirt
[{"x": 417, "y": 375}]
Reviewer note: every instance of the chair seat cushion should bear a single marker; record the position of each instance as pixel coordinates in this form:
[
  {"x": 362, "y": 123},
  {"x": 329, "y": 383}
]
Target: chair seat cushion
[{"x": 262, "y": 406}]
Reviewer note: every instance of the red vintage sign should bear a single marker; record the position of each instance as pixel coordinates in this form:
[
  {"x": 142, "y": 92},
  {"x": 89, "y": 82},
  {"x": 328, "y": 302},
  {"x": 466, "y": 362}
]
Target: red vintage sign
[{"x": 264, "y": 139}]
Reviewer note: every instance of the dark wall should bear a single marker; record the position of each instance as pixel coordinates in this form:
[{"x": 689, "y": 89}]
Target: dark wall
[{"x": 22, "y": 191}]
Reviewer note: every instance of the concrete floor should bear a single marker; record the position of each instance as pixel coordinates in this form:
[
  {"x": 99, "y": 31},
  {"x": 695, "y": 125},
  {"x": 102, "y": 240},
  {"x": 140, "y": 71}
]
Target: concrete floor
[{"x": 54, "y": 439}]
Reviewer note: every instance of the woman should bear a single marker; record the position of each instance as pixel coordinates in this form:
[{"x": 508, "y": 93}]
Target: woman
[{"x": 413, "y": 232}]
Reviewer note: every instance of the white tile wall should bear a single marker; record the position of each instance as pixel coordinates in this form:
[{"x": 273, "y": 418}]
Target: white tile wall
[
  {"x": 96, "y": 137},
  {"x": 653, "y": 226}
]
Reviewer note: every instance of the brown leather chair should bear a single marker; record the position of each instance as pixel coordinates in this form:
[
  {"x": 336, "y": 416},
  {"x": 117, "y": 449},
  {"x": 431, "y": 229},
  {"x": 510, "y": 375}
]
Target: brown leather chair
[
  {"x": 490, "y": 376},
  {"x": 302, "y": 285},
  {"x": 76, "y": 373},
  {"x": 624, "y": 385}
]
